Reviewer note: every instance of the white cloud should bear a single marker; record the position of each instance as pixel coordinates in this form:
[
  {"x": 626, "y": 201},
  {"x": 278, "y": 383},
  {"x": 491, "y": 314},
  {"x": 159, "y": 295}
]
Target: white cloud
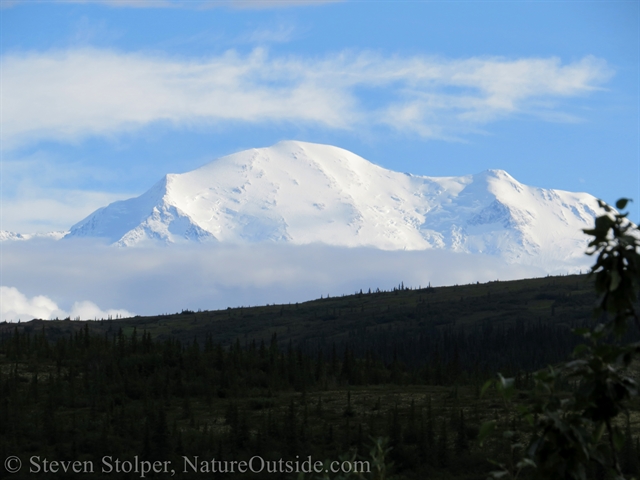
[
  {"x": 87, "y": 310},
  {"x": 69, "y": 95},
  {"x": 15, "y": 306},
  {"x": 166, "y": 280}
]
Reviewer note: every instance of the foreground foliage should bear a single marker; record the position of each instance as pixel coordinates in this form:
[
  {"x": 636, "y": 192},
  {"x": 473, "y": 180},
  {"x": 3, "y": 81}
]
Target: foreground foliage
[{"x": 573, "y": 434}]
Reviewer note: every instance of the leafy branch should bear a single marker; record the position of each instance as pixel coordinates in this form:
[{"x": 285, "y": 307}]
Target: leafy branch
[{"x": 571, "y": 431}]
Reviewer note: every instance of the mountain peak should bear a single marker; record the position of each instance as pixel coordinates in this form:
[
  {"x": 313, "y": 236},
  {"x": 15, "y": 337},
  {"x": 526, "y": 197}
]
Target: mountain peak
[
  {"x": 299, "y": 193},
  {"x": 497, "y": 173}
]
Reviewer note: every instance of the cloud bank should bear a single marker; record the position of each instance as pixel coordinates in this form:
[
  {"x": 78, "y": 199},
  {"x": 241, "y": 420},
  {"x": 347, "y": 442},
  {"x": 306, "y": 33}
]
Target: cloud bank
[
  {"x": 166, "y": 280},
  {"x": 72, "y": 94}
]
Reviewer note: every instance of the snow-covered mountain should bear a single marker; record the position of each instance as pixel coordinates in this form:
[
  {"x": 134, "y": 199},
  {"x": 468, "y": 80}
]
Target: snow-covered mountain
[{"x": 303, "y": 193}]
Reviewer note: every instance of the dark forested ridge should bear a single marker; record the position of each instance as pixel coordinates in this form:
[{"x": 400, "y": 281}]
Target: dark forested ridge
[
  {"x": 519, "y": 324},
  {"x": 318, "y": 378}
]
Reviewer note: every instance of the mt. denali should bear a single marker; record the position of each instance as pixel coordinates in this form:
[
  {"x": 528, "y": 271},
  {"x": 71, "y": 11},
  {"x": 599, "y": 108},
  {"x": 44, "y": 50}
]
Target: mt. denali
[{"x": 303, "y": 193}]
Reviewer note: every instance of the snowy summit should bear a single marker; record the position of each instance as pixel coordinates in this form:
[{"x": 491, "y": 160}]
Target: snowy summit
[{"x": 303, "y": 193}]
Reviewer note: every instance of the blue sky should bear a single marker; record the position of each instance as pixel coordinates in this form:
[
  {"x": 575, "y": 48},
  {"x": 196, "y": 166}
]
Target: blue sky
[{"x": 101, "y": 99}]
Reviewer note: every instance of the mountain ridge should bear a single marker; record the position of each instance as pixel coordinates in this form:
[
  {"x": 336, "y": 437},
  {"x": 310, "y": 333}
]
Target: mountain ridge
[{"x": 302, "y": 193}]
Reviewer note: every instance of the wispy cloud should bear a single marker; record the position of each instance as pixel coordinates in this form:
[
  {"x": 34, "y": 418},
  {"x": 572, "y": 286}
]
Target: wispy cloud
[
  {"x": 69, "y": 95},
  {"x": 280, "y": 34}
]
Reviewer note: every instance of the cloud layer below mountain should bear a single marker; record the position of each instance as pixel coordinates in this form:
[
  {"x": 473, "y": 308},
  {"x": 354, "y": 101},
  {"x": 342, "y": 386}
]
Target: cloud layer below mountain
[{"x": 48, "y": 278}]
